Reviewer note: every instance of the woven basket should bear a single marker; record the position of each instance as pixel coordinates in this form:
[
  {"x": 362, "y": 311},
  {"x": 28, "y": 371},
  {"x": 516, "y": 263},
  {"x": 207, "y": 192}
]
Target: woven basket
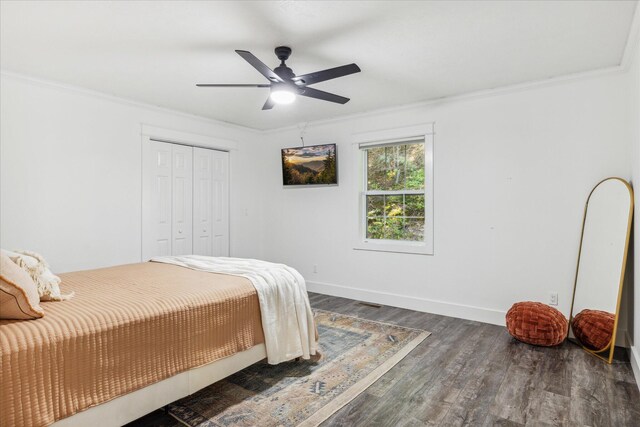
[
  {"x": 593, "y": 328},
  {"x": 536, "y": 323}
]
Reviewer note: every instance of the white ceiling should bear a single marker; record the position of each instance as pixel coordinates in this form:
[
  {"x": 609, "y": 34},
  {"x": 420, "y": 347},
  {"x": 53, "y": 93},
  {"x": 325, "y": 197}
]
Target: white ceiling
[{"x": 155, "y": 52}]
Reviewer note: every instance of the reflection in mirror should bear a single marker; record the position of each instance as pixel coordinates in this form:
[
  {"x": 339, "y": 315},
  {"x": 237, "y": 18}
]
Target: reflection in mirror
[{"x": 601, "y": 266}]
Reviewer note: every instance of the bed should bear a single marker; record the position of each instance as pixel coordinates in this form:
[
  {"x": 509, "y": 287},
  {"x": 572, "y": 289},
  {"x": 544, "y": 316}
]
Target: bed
[{"x": 134, "y": 338}]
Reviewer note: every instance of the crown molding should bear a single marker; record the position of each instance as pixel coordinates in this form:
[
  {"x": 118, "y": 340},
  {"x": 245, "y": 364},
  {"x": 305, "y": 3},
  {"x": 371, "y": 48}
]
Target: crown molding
[{"x": 124, "y": 101}]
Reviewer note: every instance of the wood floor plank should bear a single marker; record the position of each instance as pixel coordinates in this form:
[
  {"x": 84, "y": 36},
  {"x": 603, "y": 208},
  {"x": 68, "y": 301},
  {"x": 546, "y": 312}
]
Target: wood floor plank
[
  {"x": 473, "y": 405},
  {"x": 556, "y": 370},
  {"x": 549, "y": 409},
  {"x": 619, "y": 394},
  {"x": 588, "y": 412},
  {"x": 409, "y": 393},
  {"x": 457, "y": 373},
  {"x": 353, "y": 413},
  {"x": 514, "y": 395},
  {"x": 494, "y": 421}
]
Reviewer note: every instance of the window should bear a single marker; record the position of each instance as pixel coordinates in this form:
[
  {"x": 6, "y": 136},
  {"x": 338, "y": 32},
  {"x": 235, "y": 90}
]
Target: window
[{"x": 396, "y": 202}]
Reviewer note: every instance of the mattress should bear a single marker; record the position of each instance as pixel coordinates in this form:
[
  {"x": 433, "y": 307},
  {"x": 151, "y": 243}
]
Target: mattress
[{"x": 127, "y": 327}]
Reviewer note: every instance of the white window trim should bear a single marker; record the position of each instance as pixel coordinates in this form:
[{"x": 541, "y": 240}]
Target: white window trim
[{"x": 392, "y": 136}]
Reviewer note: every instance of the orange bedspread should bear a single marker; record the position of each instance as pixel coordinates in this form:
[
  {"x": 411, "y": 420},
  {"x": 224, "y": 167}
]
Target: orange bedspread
[{"x": 127, "y": 327}]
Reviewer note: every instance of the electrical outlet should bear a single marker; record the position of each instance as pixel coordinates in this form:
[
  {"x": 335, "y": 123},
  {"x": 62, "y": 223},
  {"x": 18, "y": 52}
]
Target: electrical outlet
[
  {"x": 553, "y": 298},
  {"x": 315, "y": 268}
]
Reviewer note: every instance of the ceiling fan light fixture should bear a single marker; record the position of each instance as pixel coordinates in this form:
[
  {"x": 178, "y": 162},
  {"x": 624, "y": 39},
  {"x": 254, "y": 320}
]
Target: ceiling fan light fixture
[{"x": 282, "y": 96}]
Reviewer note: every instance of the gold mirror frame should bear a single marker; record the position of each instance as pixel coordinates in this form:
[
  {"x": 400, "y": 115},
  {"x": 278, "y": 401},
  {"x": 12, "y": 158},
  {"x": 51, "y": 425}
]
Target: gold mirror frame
[{"x": 611, "y": 346}]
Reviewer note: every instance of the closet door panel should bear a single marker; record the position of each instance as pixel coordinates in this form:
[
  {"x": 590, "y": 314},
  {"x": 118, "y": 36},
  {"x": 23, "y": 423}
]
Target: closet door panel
[
  {"x": 157, "y": 201},
  {"x": 220, "y": 203},
  {"x": 182, "y": 200},
  {"x": 202, "y": 201}
]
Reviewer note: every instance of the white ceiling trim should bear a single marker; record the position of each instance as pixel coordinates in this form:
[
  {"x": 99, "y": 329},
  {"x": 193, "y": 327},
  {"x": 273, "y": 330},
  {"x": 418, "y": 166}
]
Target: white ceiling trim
[{"x": 125, "y": 101}]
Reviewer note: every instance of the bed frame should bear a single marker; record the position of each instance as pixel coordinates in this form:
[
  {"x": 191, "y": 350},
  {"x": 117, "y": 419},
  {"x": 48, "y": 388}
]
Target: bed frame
[{"x": 126, "y": 408}]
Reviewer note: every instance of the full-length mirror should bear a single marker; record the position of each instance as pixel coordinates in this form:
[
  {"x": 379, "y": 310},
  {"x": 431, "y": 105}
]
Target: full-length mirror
[{"x": 601, "y": 265}]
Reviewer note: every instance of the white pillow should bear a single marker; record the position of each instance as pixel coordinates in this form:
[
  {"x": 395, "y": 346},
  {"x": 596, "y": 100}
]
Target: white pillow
[{"x": 48, "y": 284}]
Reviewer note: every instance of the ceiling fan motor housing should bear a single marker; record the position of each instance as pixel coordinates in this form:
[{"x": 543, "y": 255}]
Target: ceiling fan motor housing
[
  {"x": 284, "y": 72},
  {"x": 283, "y": 53}
]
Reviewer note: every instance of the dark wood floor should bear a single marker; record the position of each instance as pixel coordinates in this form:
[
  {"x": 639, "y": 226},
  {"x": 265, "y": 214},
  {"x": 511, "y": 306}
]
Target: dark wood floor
[{"x": 475, "y": 374}]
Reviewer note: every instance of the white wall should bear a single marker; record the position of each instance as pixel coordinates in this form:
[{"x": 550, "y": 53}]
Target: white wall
[
  {"x": 512, "y": 173},
  {"x": 70, "y": 174}
]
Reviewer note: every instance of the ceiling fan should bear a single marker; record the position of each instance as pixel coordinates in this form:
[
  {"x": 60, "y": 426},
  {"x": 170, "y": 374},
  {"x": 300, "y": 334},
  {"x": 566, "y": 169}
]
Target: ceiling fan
[{"x": 285, "y": 85}]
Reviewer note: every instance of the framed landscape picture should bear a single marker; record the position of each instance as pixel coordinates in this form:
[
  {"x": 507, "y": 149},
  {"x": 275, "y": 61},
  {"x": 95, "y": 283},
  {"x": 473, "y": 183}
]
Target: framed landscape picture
[{"x": 313, "y": 165}]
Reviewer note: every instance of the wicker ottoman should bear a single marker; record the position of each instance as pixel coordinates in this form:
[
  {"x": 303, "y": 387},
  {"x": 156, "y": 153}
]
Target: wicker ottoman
[
  {"x": 536, "y": 323},
  {"x": 593, "y": 328}
]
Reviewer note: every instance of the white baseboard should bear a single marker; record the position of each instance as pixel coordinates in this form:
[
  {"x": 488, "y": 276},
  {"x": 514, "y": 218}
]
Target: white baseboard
[
  {"x": 480, "y": 314},
  {"x": 634, "y": 357}
]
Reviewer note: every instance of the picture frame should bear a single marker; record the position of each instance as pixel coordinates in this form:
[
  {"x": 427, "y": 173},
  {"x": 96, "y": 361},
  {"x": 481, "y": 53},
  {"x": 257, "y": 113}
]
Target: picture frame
[{"x": 312, "y": 165}]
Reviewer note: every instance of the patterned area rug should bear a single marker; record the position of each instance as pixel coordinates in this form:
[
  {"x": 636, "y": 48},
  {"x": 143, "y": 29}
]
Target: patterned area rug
[{"x": 355, "y": 353}]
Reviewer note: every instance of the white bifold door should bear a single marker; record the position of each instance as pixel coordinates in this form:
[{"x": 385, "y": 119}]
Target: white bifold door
[
  {"x": 185, "y": 201},
  {"x": 210, "y": 202}
]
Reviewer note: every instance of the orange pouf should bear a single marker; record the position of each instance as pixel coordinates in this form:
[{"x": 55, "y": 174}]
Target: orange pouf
[
  {"x": 594, "y": 328},
  {"x": 536, "y": 323}
]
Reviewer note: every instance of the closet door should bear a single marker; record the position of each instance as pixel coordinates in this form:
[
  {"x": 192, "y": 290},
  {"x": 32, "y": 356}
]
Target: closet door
[
  {"x": 156, "y": 224},
  {"x": 202, "y": 201},
  {"x": 182, "y": 200},
  {"x": 220, "y": 203},
  {"x": 185, "y": 201}
]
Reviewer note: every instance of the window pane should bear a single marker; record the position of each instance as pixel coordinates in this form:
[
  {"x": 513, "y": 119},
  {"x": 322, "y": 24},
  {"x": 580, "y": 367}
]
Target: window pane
[
  {"x": 413, "y": 229},
  {"x": 375, "y": 206},
  {"x": 386, "y": 168},
  {"x": 415, "y": 166},
  {"x": 394, "y": 228},
  {"x": 414, "y": 205},
  {"x": 396, "y": 167},
  {"x": 393, "y": 206},
  {"x": 375, "y": 228},
  {"x": 376, "y": 168}
]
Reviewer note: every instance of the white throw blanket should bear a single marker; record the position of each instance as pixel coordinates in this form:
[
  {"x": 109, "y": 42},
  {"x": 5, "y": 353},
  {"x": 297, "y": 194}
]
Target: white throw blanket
[{"x": 287, "y": 319}]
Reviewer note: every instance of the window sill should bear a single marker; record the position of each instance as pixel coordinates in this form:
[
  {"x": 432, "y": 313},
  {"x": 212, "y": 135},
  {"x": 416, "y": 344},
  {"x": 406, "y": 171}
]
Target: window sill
[{"x": 418, "y": 248}]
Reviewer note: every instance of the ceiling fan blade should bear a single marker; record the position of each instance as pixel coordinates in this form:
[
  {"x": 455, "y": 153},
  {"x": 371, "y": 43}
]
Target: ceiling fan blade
[
  {"x": 331, "y": 73},
  {"x": 259, "y": 65},
  {"x": 325, "y": 96},
  {"x": 268, "y": 105},
  {"x": 231, "y": 85}
]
